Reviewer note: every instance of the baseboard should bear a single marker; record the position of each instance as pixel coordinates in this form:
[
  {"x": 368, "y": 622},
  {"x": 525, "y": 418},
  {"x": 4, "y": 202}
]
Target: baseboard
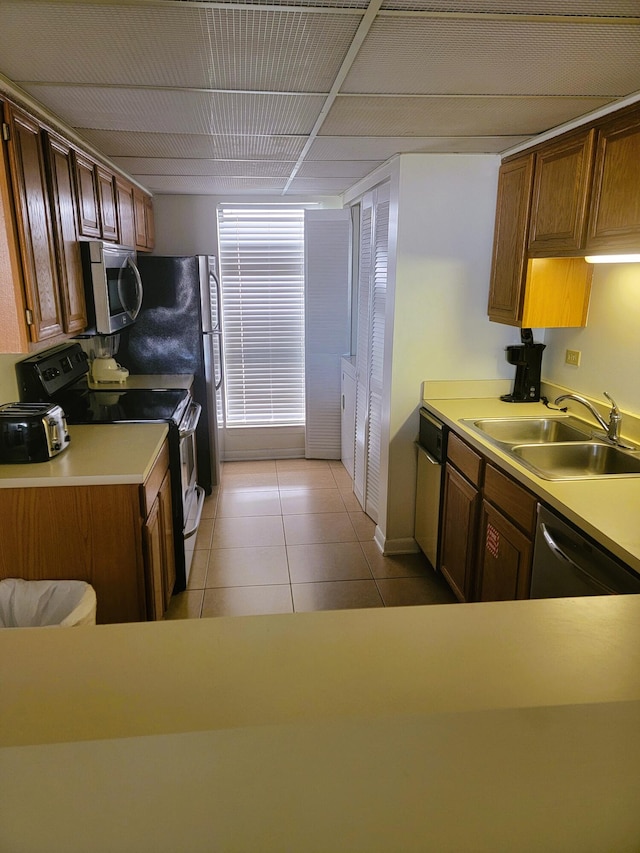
[{"x": 391, "y": 547}]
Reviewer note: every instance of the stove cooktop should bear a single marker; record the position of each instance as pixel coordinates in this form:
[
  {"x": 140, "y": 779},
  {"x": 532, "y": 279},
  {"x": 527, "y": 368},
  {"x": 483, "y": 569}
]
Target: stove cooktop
[{"x": 86, "y": 406}]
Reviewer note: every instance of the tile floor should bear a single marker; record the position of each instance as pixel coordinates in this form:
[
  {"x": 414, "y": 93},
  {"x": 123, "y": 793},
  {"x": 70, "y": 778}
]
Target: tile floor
[{"x": 288, "y": 536}]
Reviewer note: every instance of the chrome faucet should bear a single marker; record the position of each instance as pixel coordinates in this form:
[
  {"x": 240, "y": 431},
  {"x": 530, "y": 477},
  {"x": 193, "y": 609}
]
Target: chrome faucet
[{"x": 612, "y": 428}]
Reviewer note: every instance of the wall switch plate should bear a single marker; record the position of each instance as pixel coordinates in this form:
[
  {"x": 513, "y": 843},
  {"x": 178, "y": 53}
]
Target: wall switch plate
[{"x": 572, "y": 356}]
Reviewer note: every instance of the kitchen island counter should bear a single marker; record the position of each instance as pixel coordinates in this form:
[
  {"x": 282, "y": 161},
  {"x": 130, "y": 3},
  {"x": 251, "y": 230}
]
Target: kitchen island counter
[
  {"x": 97, "y": 455},
  {"x": 486, "y": 727}
]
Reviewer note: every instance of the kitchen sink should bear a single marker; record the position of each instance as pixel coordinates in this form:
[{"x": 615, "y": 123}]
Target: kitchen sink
[
  {"x": 512, "y": 431},
  {"x": 577, "y": 460}
]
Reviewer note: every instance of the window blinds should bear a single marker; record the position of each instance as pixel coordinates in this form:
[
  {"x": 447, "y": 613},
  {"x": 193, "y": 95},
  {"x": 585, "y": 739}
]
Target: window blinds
[{"x": 262, "y": 278}]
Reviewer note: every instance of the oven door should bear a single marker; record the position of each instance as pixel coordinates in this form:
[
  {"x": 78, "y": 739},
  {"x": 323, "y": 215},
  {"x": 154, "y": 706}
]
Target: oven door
[{"x": 192, "y": 494}]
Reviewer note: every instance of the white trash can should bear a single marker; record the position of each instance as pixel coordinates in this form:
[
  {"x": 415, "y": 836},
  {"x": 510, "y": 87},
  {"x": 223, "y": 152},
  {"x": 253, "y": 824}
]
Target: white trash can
[{"x": 30, "y": 604}]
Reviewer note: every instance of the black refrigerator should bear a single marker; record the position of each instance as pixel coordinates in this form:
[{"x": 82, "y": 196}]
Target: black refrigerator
[{"x": 178, "y": 331}]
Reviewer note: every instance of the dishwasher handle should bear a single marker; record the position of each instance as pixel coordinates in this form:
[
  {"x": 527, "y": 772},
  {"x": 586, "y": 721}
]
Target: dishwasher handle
[{"x": 560, "y": 554}]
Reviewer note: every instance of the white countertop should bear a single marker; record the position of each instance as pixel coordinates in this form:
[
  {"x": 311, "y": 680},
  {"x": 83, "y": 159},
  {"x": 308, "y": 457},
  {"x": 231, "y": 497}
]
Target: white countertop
[
  {"x": 606, "y": 508},
  {"x": 468, "y": 727},
  {"x": 98, "y": 454}
]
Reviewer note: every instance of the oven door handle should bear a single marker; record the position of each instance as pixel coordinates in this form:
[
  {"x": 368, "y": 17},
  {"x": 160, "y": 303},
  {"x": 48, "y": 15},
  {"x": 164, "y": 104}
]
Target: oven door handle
[
  {"x": 193, "y": 417},
  {"x": 187, "y": 533}
]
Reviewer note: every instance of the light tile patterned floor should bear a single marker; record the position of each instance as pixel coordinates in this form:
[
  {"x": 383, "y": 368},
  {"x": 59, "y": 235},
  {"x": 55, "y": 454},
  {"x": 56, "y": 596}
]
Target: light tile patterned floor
[{"x": 289, "y": 535}]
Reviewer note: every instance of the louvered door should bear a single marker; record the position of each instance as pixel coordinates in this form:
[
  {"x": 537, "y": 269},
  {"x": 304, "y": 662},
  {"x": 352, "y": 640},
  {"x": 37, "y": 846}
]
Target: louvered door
[
  {"x": 372, "y": 293},
  {"x": 362, "y": 348}
]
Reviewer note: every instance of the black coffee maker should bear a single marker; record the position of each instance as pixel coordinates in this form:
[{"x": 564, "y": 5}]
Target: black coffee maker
[{"x": 527, "y": 358}]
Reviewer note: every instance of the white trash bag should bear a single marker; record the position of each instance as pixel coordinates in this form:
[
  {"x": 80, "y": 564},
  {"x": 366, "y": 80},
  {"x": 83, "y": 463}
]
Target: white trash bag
[{"x": 30, "y": 604}]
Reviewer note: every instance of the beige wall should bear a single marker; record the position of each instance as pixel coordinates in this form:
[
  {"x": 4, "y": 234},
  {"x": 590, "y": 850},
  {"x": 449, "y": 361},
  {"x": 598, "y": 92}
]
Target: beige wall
[
  {"x": 8, "y": 384},
  {"x": 610, "y": 342}
]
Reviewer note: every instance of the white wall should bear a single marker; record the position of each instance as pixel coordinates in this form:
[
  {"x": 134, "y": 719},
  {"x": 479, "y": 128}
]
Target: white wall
[
  {"x": 610, "y": 342},
  {"x": 446, "y": 210},
  {"x": 186, "y": 224}
]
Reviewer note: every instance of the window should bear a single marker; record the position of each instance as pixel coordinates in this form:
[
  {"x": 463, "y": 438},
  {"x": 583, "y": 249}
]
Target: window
[{"x": 262, "y": 279}]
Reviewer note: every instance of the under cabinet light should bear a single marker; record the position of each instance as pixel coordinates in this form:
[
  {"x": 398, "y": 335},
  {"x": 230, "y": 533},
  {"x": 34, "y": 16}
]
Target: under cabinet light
[{"x": 613, "y": 259}]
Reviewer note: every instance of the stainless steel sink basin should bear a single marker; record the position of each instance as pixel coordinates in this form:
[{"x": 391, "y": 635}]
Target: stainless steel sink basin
[
  {"x": 577, "y": 460},
  {"x": 532, "y": 430}
]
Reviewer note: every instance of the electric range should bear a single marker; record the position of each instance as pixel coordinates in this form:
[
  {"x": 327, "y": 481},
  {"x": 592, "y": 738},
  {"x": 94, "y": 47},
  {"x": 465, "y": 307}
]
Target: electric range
[{"x": 59, "y": 375}]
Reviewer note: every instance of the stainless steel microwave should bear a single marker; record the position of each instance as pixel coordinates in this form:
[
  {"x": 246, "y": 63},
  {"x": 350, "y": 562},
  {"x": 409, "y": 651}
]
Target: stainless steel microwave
[{"x": 113, "y": 287}]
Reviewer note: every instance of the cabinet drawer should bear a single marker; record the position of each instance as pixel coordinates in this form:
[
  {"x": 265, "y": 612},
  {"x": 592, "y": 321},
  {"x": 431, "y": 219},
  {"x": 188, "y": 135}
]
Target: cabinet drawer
[
  {"x": 511, "y": 498},
  {"x": 465, "y": 459},
  {"x": 152, "y": 484}
]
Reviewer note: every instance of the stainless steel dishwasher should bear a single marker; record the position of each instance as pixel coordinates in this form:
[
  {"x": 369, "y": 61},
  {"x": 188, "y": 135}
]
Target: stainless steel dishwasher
[
  {"x": 566, "y": 563},
  {"x": 432, "y": 448}
]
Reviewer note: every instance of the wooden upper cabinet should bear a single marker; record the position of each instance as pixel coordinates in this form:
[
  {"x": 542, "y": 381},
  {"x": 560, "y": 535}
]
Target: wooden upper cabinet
[
  {"x": 87, "y": 192},
  {"x": 561, "y": 191},
  {"x": 149, "y": 222},
  {"x": 34, "y": 227},
  {"x": 65, "y": 224},
  {"x": 508, "y": 267},
  {"x": 107, "y": 202},
  {"x": 614, "y": 223},
  {"x": 143, "y": 209},
  {"x": 125, "y": 211},
  {"x": 526, "y": 291}
]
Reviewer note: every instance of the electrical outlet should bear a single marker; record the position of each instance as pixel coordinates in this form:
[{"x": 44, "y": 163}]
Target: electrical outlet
[{"x": 572, "y": 356}]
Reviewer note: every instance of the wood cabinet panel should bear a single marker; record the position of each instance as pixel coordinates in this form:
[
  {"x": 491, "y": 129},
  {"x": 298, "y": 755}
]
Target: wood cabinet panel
[
  {"x": 457, "y": 545},
  {"x": 34, "y": 226},
  {"x": 465, "y": 458},
  {"x": 125, "y": 212},
  {"x": 87, "y": 192},
  {"x": 168, "y": 552},
  {"x": 107, "y": 201},
  {"x": 508, "y": 267},
  {"x": 140, "y": 219},
  {"x": 561, "y": 193},
  {"x": 530, "y": 291},
  {"x": 99, "y": 534},
  {"x": 154, "y": 562},
  {"x": 614, "y": 223},
  {"x": 78, "y": 533},
  {"x": 504, "y": 565},
  {"x": 510, "y": 497},
  {"x": 149, "y": 223},
  {"x": 14, "y": 336},
  {"x": 63, "y": 206}
]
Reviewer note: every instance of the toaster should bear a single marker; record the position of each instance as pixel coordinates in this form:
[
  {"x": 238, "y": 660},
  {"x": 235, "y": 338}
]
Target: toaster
[{"x": 32, "y": 432}]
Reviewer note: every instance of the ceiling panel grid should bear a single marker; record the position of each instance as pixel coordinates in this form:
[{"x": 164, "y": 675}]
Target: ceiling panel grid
[
  {"x": 412, "y": 55},
  {"x": 308, "y": 96}
]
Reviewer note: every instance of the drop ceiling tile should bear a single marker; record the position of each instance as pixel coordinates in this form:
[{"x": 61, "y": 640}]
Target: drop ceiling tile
[
  {"x": 211, "y": 185},
  {"x": 600, "y": 8},
  {"x": 318, "y": 186},
  {"x": 140, "y": 144},
  {"x": 172, "y": 45},
  {"x": 205, "y": 167},
  {"x": 179, "y": 111},
  {"x": 411, "y": 55},
  {"x": 370, "y": 148},
  {"x": 388, "y": 116},
  {"x": 337, "y": 168}
]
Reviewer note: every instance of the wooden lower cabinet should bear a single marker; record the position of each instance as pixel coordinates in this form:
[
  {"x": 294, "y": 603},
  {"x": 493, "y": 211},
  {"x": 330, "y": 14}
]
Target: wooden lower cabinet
[
  {"x": 488, "y": 527},
  {"x": 504, "y": 559},
  {"x": 104, "y": 535},
  {"x": 457, "y": 544},
  {"x": 160, "y": 567}
]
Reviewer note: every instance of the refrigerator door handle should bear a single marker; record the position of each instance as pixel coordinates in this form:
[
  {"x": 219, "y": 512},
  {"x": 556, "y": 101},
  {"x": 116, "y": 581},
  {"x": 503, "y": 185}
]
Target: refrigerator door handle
[
  {"x": 221, "y": 362},
  {"x": 212, "y": 275}
]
